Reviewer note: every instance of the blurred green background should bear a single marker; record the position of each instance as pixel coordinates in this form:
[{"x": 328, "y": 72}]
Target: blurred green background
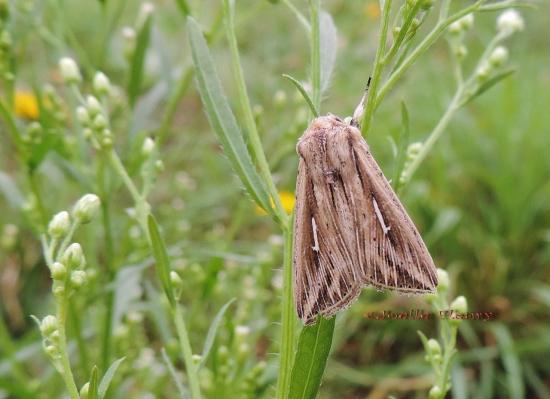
[{"x": 481, "y": 200}]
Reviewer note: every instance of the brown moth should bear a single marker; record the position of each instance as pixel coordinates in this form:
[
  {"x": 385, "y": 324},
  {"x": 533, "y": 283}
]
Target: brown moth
[{"x": 350, "y": 228}]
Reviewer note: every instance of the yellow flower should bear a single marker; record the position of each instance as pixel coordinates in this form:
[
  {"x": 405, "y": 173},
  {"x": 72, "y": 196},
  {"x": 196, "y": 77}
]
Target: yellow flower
[
  {"x": 287, "y": 201},
  {"x": 372, "y": 10},
  {"x": 26, "y": 105}
]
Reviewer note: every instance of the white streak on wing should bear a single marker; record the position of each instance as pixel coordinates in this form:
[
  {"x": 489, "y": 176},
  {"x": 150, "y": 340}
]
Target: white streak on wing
[
  {"x": 380, "y": 218},
  {"x": 314, "y": 227}
]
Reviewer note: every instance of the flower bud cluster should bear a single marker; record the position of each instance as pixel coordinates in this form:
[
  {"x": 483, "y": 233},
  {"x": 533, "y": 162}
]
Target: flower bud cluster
[
  {"x": 96, "y": 126},
  {"x": 413, "y": 151}
]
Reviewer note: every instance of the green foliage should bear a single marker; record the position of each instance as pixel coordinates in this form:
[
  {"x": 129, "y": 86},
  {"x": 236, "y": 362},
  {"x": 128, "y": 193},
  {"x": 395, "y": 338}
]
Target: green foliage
[{"x": 205, "y": 310}]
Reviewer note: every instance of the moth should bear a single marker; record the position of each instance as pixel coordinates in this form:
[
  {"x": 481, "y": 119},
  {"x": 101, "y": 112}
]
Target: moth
[{"x": 350, "y": 229}]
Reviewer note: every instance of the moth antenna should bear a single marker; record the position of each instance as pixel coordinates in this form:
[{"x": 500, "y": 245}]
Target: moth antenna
[{"x": 360, "y": 109}]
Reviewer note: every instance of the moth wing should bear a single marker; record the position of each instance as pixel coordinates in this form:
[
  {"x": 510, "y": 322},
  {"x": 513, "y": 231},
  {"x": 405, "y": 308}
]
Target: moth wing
[
  {"x": 322, "y": 284},
  {"x": 395, "y": 257}
]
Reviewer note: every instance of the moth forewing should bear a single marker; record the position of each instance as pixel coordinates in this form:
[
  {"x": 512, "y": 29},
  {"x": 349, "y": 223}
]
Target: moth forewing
[{"x": 350, "y": 228}]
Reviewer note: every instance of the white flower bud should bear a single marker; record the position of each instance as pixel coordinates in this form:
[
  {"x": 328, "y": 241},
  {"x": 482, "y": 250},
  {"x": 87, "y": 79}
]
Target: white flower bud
[
  {"x": 78, "y": 278},
  {"x": 414, "y": 149},
  {"x": 129, "y": 33},
  {"x": 483, "y": 71},
  {"x": 148, "y": 146},
  {"x": 196, "y": 359},
  {"x": 51, "y": 351},
  {"x": 99, "y": 122},
  {"x": 59, "y": 225},
  {"x": 279, "y": 98},
  {"x": 73, "y": 256},
  {"x": 69, "y": 70},
  {"x": 159, "y": 166},
  {"x": 144, "y": 12},
  {"x": 86, "y": 208},
  {"x": 93, "y": 105},
  {"x": 48, "y": 325},
  {"x": 175, "y": 280},
  {"x": 510, "y": 21},
  {"x": 242, "y": 331},
  {"x": 434, "y": 349},
  {"x": 460, "y": 304},
  {"x": 434, "y": 393},
  {"x": 442, "y": 280},
  {"x": 82, "y": 115},
  {"x": 102, "y": 85},
  {"x": 59, "y": 271},
  {"x": 499, "y": 56},
  {"x": 467, "y": 21}
]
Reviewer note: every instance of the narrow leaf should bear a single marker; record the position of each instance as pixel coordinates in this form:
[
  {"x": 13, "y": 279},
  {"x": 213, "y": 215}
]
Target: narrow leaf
[
  {"x": 183, "y": 7},
  {"x": 184, "y": 394},
  {"x": 487, "y": 85},
  {"x": 138, "y": 61},
  {"x": 222, "y": 119},
  {"x": 108, "y": 377},
  {"x": 212, "y": 331},
  {"x": 304, "y": 94},
  {"x": 329, "y": 45},
  {"x": 162, "y": 260},
  {"x": 511, "y": 362},
  {"x": 93, "y": 389},
  {"x": 311, "y": 357}
]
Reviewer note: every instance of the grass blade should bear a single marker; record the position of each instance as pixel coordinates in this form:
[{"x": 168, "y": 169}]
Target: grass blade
[
  {"x": 92, "y": 389},
  {"x": 487, "y": 85},
  {"x": 329, "y": 45},
  {"x": 161, "y": 258},
  {"x": 222, "y": 119},
  {"x": 311, "y": 357},
  {"x": 138, "y": 61},
  {"x": 108, "y": 377},
  {"x": 511, "y": 362},
  {"x": 212, "y": 331},
  {"x": 184, "y": 394}
]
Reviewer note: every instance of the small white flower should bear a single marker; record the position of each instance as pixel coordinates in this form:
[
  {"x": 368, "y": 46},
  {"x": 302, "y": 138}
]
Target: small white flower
[
  {"x": 73, "y": 256},
  {"x": 78, "y": 278},
  {"x": 242, "y": 331},
  {"x": 48, "y": 325},
  {"x": 69, "y": 70},
  {"x": 145, "y": 11},
  {"x": 102, "y": 85},
  {"x": 59, "y": 225},
  {"x": 443, "y": 280},
  {"x": 59, "y": 271},
  {"x": 499, "y": 56},
  {"x": 86, "y": 208},
  {"x": 484, "y": 70},
  {"x": 463, "y": 24},
  {"x": 93, "y": 105},
  {"x": 82, "y": 115},
  {"x": 460, "y": 304},
  {"x": 148, "y": 146},
  {"x": 414, "y": 149},
  {"x": 129, "y": 33},
  {"x": 510, "y": 21}
]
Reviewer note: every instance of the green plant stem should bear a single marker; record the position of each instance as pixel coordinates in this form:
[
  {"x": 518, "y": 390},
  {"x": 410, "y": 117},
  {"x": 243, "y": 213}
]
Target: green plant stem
[
  {"x": 287, "y": 318},
  {"x": 378, "y": 66},
  {"x": 109, "y": 264},
  {"x": 315, "y": 54},
  {"x": 33, "y": 183},
  {"x": 430, "y": 39},
  {"x": 187, "y": 352},
  {"x": 250, "y": 124},
  {"x": 64, "y": 362},
  {"x": 76, "y": 329},
  {"x": 434, "y": 135}
]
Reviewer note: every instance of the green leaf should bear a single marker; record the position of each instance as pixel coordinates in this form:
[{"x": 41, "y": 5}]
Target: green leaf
[
  {"x": 162, "y": 260},
  {"x": 92, "y": 389},
  {"x": 487, "y": 85},
  {"x": 212, "y": 331},
  {"x": 108, "y": 377},
  {"x": 222, "y": 119},
  {"x": 304, "y": 94},
  {"x": 510, "y": 360},
  {"x": 329, "y": 44},
  {"x": 138, "y": 61},
  {"x": 183, "y": 7},
  {"x": 311, "y": 357},
  {"x": 184, "y": 394}
]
